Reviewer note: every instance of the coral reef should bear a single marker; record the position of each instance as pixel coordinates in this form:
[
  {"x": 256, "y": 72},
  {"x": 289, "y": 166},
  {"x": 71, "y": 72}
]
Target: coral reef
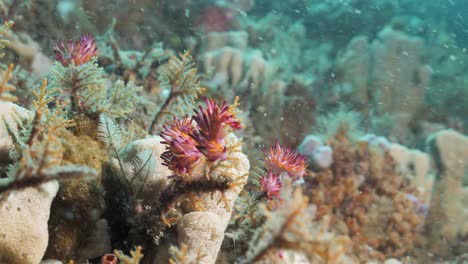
[
  {"x": 181, "y": 77},
  {"x": 117, "y": 144},
  {"x": 283, "y": 231},
  {"x": 7, "y": 111},
  {"x": 233, "y": 68},
  {"x": 219, "y": 162},
  {"x": 367, "y": 75},
  {"x": 363, "y": 189}
]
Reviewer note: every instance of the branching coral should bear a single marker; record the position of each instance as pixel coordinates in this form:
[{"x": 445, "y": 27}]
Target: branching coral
[
  {"x": 292, "y": 226},
  {"x": 3, "y": 28},
  {"x": 9, "y": 9},
  {"x": 363, "y": 186},
  {"x": 179, "y": 256},
  {"x": 129, "y": 163},
  {"x": 38, "y": 147},
  {"x": 77, "y": 75},
  {"x": 135, "y": 256},
  {"x": 180, "y": 75},
  {"x": 6, "y": 88}
]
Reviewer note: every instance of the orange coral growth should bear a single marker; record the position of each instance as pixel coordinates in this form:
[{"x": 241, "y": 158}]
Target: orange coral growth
[
  {"x": 6, "y": 88},
  {"x": 366, "y": 199},
  {"x": 292, "y": 226}
]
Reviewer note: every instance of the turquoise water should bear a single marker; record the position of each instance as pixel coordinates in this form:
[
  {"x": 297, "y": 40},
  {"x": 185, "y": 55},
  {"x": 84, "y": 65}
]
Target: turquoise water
[{"x": 342, "y": 137}]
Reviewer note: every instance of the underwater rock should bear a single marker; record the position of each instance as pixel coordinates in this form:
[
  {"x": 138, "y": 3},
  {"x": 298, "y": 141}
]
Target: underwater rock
[
  {"x": 202, "y": 233},
  {"x": 309, "y": 144},
  {"x": 399, "y": 77},
  {"x": 217, "y": 40},
  {"x": 232, "y": 66},
  {"x": 216, "y": 206},
  {"x": 227, "y": 64},
  {"x": 288, "y": 257},
  {"x": 51, "y": 261},
  {"x": 157, "y": 175},
  {"x": 30, "y": 51},
  {"x": 416, "y": 165},
  {"x": 76, "y": 210},
  {"x": 8, "y": 111},
  {"x": 205, "y": 215},
  {"x": 99, "y": 243},
  {"x": 235, "y": 68},
  {"x": 449, "y": 150},
  {"x": 23, "y": 224},
  {"x": 354, "y": 65},
  {"x": 79, "y": 202},
  {"x": 221, "y": 204},
  {"x": 376, "y": 141},
  {"x": 318, "y": 155},
  {"x": 393, "y": 67},
  {"x": 41, "y": 64},
  {"x": 323, "y": 157},
  {"x": 392, "y": 261}
]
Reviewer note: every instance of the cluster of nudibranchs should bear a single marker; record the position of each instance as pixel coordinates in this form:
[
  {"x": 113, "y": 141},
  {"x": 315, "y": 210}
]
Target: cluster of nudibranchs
[
  {"x": 76, "y": 52},
  {"x": 200, "y": 138},
  {"x": 281, "y": 162}
]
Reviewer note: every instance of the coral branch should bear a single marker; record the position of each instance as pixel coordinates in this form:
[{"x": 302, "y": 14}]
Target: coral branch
[
  {"x": 3, "y": 28},
  {"x": 6, "y": 88},
  {"x": 63, "y": 172},
  {"x": 181, "y": 76}
]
